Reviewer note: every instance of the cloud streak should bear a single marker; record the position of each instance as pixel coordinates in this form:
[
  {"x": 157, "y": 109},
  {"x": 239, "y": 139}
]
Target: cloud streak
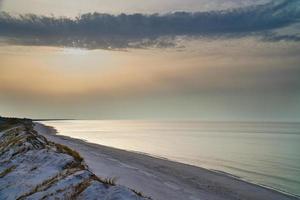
[{"x": 105, "y": 31}]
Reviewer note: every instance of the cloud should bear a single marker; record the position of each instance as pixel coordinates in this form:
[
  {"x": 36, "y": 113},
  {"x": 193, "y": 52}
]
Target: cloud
[
  {"x": 272, "y": 37},
  {"x": 105, "y": 31}
]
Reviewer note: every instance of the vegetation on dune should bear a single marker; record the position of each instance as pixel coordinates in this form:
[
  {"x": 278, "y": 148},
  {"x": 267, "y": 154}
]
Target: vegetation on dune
[
  {"x": 110, "y": 181},
  {"x": 64, "y": 149},
  {"x": 6, "y": 123},
  {"x": 7, "y": 171}
]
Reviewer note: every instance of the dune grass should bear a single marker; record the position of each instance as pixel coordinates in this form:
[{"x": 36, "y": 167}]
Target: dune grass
[
  {"x": 110, "y": 181},
  {"x": 7, "y": 171},
  {"x": 64, "y": 149}
]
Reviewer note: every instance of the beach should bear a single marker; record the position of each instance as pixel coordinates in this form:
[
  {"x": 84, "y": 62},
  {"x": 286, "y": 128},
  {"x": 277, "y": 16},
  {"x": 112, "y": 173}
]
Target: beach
[
  {"x": 140, "y": 100},
  {"x": 160, "y": 178}
]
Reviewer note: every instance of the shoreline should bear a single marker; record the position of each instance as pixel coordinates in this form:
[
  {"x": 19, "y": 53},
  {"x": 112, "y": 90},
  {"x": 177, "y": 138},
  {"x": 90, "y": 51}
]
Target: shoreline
[{"x": 161, "y": 178}]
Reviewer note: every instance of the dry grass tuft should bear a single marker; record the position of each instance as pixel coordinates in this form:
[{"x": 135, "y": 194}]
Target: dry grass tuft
[
  {"x": 64, "y": 149},
  {"x": 7, "y": 171},
  {"x": 110, "y": 181},
  {"x": 141, "y": 194}
]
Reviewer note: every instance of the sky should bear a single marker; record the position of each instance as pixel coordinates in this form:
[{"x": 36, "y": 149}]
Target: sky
[{"x": 229, "y": 60}]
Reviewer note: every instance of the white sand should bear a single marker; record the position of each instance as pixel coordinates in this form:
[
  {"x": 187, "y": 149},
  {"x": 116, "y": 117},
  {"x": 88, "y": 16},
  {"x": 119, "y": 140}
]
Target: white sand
[{"x": 161, "y": 179}]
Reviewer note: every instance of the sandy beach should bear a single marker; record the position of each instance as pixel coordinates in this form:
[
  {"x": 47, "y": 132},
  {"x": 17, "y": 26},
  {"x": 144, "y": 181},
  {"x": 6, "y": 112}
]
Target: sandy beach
[
  {"x": 138, "y": 100},
  {"x": 159, "y": 178}
]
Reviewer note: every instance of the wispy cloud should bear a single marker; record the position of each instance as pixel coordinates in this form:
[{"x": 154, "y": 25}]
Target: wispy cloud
[{"x": 105, "y": 31}]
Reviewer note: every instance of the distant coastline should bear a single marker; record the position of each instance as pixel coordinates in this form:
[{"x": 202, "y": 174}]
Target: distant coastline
[
  {"x": 187, "y": 120},
  {"x": 51, "y": 119}
]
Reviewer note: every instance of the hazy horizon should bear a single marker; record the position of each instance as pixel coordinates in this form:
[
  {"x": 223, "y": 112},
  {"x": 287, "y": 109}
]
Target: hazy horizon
[{"x": 213, "y": 60}]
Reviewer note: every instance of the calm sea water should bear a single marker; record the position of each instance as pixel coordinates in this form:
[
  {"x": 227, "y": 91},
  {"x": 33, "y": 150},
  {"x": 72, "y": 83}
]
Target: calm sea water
[{"x": 264, "y": 153}]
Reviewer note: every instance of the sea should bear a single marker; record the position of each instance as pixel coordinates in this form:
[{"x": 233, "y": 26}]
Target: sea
[{"x": 264, "y": 153}]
